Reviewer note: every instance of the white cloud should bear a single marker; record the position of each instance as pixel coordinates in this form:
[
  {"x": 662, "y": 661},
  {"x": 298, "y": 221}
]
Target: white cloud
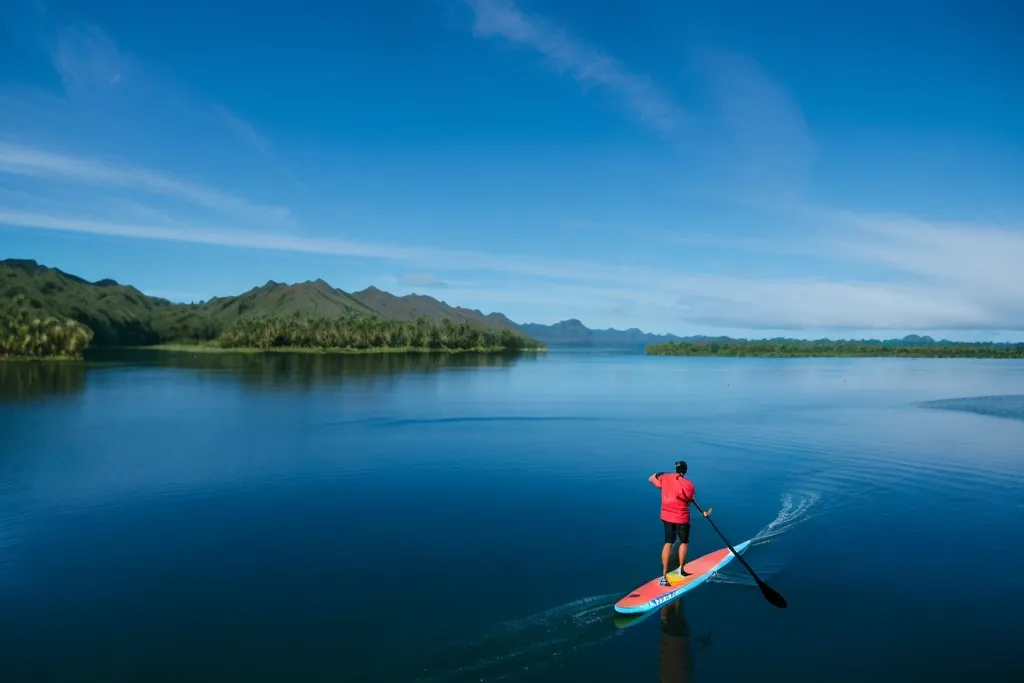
[
  {"x": 586, "y": 64},
  {"x": 940, "y": 297},
  {"x": 447, "y": 259},
  {"x": 27, "y": 161},
  {"x": 982, "y": 258}
]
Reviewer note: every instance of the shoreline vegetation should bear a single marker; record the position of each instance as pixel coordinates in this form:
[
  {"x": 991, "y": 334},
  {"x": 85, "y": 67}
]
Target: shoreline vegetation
[
  {"x": 827, "y": 348},
  {"x": 356, "y": 335},
  {"x": 25, "y": 335},
  {"x": 50, "y": 339},
  {"x": 362, "y": 334}
]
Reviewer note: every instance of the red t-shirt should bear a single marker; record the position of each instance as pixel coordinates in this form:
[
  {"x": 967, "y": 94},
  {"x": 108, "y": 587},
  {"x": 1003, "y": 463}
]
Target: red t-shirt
[{"x": 676, "y": 495}]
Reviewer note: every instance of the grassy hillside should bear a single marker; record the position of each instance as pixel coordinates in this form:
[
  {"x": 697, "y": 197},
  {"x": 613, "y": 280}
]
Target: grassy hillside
[
  {"x": 312, "y": 299},
  {"x": 121, "y": 315}
]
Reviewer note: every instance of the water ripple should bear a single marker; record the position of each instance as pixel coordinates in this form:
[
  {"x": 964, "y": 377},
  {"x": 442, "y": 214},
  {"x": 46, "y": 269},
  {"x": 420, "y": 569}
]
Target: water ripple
[{"x": 1009, "y": 406}]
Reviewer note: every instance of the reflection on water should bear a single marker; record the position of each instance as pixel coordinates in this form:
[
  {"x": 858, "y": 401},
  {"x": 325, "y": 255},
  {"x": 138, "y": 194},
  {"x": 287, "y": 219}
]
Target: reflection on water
[
  {"x": 21, "y": 380},
  {"x": 675, "y": 657},
  {"x": 675, "y": 641},
  {"x": 304, "y": 370}
]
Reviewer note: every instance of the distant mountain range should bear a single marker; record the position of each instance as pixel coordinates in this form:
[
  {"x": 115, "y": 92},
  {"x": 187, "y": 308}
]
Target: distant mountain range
[
  {"x": 122, "y": 315},
  {"x": 572, "y": 332}
]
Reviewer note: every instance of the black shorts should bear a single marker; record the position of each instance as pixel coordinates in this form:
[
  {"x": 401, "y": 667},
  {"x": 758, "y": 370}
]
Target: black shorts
[{"x": 673, "y": 529}]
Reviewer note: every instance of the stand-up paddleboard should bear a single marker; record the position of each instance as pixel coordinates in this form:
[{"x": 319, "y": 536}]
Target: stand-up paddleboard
[{"x": 652, "y": 594}]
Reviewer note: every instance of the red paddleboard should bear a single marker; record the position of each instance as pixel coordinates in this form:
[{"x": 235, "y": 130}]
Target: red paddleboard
[{"x": 652, "y": 594}]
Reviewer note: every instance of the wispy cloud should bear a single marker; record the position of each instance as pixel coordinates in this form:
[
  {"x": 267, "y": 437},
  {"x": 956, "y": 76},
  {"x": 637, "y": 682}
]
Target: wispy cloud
[
  {"x": 936, "y": 294},
  {"x": 758, "y": 133},
  {"x": 447, "y": 259},
  {"x": 86, "y": 58},
  {"x": 111, "y": 95},
  {"x": 587, "y": 64},
  {"x": 242, "y": 128},
  {"x": 980, "y": 261},
  {"x": 743, "y": 133},
  {"x": 27, "y": 161}
]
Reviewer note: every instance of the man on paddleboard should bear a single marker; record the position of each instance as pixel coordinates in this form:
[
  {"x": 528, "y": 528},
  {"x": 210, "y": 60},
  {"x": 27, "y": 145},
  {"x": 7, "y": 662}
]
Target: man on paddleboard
[{"x": 677, "y": 492}]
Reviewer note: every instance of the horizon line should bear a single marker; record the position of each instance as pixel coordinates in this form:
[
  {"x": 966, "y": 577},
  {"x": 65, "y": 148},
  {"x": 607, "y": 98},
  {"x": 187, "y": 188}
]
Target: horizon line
[{"x": 671, "y": 335}]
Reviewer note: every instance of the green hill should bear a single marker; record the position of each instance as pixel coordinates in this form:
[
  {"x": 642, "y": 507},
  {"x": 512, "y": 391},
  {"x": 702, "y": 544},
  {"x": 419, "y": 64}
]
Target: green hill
[
  {"x": 121, "y": 315},
  {"x": 274, "y": 298},
  {"x": 117, "y": 314},
  {"x": 412, "y": 306}
]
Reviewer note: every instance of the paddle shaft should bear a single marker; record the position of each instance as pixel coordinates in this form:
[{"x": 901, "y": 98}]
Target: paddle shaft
[{"x": 770, "y": 594}]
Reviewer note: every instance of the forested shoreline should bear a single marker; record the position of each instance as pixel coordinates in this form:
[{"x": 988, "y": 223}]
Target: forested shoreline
[
  {"x": 25, "y": 335},
  {"x": 363, "y": 333},
  {"x": 828, "y": 348},
  {"x": 22, "y": 336}
]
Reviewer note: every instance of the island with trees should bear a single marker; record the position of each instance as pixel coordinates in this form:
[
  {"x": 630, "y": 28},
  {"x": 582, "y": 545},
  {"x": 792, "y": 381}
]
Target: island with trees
[{"x": 908, "y": 347}]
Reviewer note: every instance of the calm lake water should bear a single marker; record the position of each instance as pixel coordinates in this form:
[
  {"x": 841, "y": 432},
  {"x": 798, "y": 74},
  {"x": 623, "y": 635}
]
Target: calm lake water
[{"x": 181, "y": 517}]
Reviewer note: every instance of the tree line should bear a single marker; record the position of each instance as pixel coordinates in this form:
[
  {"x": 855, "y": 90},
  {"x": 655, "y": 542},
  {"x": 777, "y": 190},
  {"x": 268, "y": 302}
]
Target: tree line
[
  {"x": 359, "y": 332},
  {"x": 26, "y": 335},
  {"x": 830, "y": 348}
]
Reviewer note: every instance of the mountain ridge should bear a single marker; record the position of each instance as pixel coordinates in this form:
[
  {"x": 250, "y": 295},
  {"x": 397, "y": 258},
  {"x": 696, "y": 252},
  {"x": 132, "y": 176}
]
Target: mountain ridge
[{"x": 121, "y": 314}]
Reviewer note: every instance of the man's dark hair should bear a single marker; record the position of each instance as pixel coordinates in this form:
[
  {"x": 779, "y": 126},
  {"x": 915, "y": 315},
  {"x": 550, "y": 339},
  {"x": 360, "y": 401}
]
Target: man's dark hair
[{"x": 680, "y": 467}]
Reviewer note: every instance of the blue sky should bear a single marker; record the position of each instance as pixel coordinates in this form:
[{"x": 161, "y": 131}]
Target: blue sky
[{"x": 748, "y": 168}]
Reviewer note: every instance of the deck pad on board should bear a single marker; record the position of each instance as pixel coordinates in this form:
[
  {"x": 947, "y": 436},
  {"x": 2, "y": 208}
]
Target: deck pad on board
[{"x": 652, "y": 594}]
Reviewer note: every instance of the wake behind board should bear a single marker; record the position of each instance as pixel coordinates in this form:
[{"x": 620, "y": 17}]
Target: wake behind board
[{"x": 652, "y": 594}]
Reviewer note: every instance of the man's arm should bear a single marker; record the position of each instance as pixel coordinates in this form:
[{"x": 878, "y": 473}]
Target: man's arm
[
  {"x": 655, "y": 479},
  {"x": 693, "y": 496}
]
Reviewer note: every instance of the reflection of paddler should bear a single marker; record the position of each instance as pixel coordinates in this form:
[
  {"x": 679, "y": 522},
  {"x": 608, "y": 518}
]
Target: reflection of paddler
[{"x": 675, "y": 644}]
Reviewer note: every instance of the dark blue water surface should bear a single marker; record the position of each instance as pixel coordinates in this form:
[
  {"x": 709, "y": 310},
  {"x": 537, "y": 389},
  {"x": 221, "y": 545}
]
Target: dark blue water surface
[{"x": 182, "y": 517}]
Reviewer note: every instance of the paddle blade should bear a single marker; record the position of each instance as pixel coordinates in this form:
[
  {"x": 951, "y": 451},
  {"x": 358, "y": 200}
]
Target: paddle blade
[{"x": 771, "y": 595}]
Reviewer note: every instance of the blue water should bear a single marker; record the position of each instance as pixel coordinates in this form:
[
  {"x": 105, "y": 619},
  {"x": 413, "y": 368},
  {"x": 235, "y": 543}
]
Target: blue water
[{"x": 180, "y": 517}]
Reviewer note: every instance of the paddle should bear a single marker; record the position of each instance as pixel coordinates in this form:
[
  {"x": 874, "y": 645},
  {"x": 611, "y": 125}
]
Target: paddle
[{"x": 770, "y": 594}]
